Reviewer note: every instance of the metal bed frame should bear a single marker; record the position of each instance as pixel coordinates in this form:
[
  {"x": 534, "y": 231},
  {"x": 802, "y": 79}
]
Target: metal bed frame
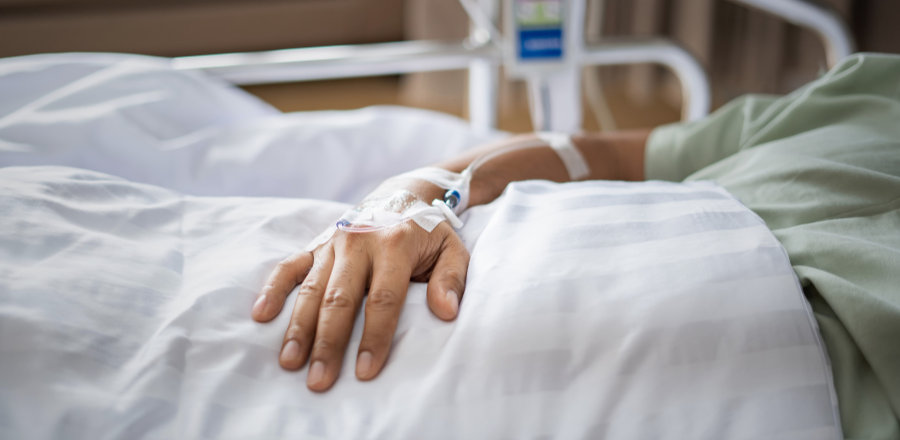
[{"x": 555, "y": 102}]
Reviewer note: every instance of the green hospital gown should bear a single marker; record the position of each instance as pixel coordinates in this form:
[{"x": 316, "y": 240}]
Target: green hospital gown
[{"x": 822, "y": 167}]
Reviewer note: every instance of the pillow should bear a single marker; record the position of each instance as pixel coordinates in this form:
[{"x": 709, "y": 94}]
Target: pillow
[{"x": 592, "y": 310}]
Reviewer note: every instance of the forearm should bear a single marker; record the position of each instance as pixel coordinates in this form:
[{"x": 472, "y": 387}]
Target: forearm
[{"x": 610, "y": 156}]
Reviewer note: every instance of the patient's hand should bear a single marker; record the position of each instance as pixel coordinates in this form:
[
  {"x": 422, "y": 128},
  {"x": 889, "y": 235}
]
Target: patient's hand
[
  {"x": 334, "y": 277},
  {"x": 333, "y": 281}
]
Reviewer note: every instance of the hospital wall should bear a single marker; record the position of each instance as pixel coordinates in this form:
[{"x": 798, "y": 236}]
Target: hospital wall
[{"x": 192, "y": 27}]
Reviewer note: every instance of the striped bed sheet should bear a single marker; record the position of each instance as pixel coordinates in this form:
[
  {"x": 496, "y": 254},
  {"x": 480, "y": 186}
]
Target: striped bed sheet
[{"x": 592, "y": 310}]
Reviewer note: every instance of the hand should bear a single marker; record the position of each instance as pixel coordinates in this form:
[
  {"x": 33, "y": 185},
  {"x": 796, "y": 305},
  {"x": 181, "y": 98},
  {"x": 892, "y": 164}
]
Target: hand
[{"x": 333, "y": 280}]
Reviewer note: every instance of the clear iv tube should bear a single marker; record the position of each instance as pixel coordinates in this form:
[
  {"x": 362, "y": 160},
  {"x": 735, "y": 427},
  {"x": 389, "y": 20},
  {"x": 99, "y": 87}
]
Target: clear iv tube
[{"x": 389, "y": 209}]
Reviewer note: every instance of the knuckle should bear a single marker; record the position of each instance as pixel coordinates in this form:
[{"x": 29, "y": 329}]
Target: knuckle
[
  {"x": 384, "y": 299},
  {"x": 377, "y": 335},
  {"x": 376, "y": 340},
  {"x": 307, "y": 290},
  {"x": 318, "y": 264},
  {"x": 297, "y": 331},
  {"x": 324, "y": 345},
  {"x": 456, "y": 276},
  {"x": 283, "y": 266},
  {"x": 338, "y": 299}
]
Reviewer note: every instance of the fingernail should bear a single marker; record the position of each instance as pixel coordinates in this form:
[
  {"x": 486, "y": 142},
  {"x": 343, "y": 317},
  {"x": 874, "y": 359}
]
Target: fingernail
[
  {"x": 316, "y": 373},
  {"x": 260, "y": 305},
  {"x": 363, "y": 363},
  {"x": 290, "y": 352},
  {"x": 453, "y": 299}
]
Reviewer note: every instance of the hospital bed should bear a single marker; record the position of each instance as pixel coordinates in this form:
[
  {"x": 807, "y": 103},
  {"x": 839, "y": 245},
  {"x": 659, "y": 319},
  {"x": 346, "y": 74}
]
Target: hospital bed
[{"x": 592, "y": 310}]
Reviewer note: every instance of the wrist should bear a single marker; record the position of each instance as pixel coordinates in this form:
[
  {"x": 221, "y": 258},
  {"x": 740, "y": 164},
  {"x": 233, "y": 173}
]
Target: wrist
[
  {"x": 486, "y": 187},
  {"x": 492, "y": 178},
  {"x": 423, "y": 190},
  {"x": 614, "y": 155}
]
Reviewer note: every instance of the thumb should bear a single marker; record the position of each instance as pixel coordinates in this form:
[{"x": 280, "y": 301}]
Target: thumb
[{"x": 448, "y": 279}]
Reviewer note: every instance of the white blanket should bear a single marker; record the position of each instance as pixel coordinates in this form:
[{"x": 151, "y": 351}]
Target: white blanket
[
  {"x": 134, "y": 117},
  {"x": 592, "y": 310}
]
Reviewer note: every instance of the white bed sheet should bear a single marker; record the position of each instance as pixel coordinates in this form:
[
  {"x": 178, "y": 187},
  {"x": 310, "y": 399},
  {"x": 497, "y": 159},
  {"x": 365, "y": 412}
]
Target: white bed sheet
[
  {"x": 137, "y": 118},
  {"x": 592, "y": 310}
]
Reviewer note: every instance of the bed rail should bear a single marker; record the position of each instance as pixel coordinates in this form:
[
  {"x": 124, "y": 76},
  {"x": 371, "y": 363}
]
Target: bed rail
[
  {"x": 694, "y": 82},
  {"x": 827, "y": 24},
  {"x": 332, "y": 62},
  {"x": 555, "y": 102}
]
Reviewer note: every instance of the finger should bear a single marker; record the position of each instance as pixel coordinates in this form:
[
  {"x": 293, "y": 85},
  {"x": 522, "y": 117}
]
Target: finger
[
  {"x": 287, "y": 274},
  {"x": 448, "y": 279},
  {"x": 390, "y": 281},
  {"x": 337, "y": 313},
  {"x": 302, "y": 328}
]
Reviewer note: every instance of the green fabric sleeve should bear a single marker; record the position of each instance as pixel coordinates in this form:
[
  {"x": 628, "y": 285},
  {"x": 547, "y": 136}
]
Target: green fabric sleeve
[
  {"x": 821, "y": 167},
  {"x": 676, "y": 151}
]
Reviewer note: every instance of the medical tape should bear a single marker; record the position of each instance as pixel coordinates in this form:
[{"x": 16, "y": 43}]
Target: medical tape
[
  {"x": 445, "y": 179},
  {"x": 572, "y": 159},
  {"x": 562, "y": 145},
  {"x": 388, "y": 210},
  {"x": 447, "y": 213}
]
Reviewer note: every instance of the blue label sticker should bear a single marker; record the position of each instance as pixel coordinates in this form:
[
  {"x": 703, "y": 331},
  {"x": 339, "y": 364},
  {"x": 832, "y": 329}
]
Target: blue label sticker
[{"x": 540, "y": 43}]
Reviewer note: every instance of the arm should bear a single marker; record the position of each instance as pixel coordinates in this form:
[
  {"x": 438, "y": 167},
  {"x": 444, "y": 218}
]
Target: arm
[
  {"x": 334, "y": 277},
  {"x": 610, "y": 156}
]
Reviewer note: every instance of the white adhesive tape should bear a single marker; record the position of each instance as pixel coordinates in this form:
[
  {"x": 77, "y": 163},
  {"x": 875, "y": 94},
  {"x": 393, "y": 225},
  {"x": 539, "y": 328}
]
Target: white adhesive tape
[
  {"x": 446, "y": 180},
  {"x": 448, "y": 213},
  {"x": 571, "y": 158},
  {"x": 424, "y": 215}
]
